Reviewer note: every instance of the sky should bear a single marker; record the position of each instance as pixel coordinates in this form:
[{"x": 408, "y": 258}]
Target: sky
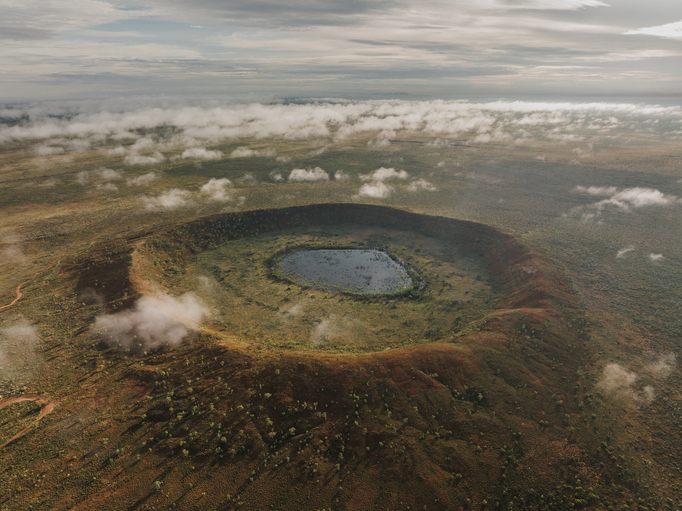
[{"x": 357, "y": 49}]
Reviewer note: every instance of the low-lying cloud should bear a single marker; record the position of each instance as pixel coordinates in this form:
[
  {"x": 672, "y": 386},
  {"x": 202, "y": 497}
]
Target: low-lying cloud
[
  {"x": 384, "y": 174},
  {"x": 172, "y": 199},
  {"x": 142, "y": 180},
  {"x": 153, "y": 322},
  {"x": 138, "y": 159},
  {"x": 245, "y": 152},
  {"x": 623, "y": 251},
  {"x": 333, "y": 329},
  {"x": 102, "y": 174},
  {"x": 621, "y": 200},
  {"x": 663, "y": 366},
  {"x": 375, "y": 190},
  {"x": 217, "y": 189},
  {"x": 201, "y": 153},
  {"x": 420, "y": 185},
  {"x": 10, "y": 248},
  {"x": 18, "y": 349},
  {"x": 316, "y": 174},
  {"x": 618, "y": 382},
  {"x": 66, "y": 127}
]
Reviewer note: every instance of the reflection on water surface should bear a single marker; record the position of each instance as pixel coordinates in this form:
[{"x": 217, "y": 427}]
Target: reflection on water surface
[{"x": 363, "y": 271}]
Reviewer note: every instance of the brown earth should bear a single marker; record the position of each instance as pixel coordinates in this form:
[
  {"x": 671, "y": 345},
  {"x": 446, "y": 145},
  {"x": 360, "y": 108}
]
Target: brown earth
[{"x": 496, "y": 417}]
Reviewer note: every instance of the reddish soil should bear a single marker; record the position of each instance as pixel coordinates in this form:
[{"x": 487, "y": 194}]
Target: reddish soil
[
  {"x": 19, "y": 293},
  {"x": 44, "y": 402},
  {"x": 497, "y": 414}
]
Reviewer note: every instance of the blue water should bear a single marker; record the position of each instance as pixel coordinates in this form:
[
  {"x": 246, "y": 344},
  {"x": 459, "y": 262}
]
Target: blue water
[{"x": 363, "y": 271}]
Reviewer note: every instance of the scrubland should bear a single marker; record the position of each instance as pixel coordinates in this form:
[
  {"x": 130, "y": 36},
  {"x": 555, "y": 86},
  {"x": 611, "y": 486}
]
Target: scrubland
[{"x": 544, "y": 379}]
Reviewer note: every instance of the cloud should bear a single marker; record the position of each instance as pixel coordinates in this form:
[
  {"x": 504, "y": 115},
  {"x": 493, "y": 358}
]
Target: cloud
[
  {"x": 245, "y": 152},
  {"x": 137, "y": 159},
  {"x": 669, "y": 30},
  {"x": 49, "y": 183},
  {"x": 201, "y": 153},
  {"x": 217, "y": 189},
  {"x": 292, "y": 311},
  {"x": 142, "y": 180},
  {"x": 621, "y": 253},
  {"x": 656, "y": 258},
  {"x": 316, "y": 174},
  {"x": 446, "y": 119},
  {"x": 375, "y": 190},
  {"x": 383, "y": 174},
  {"x": 12, "y": 253},
  {"x": 420, "y": 185},
  {"x": 18, "y": 345},
  {"x": 169, "y": 200},
  {"x": 10, "y": 249},
  {"x": 640, "y": 197},
  {"x": 623, "y": 200},
  {"x": 597, "y": 190},
  {"x": 248, "y": 177},
  {"x": 153, "y": 322},
  {"x": 619, "y": 382},
  {"x": 663, "y": 367},
  {"x": 335, "y": 329},
  {"x": 106, "y": 187},
  {"x": 116, "y": 151},
  {"x": 45, "y": 150},
  {"x": 101, "y": 173},
  {"x": 340, "y": 175}
]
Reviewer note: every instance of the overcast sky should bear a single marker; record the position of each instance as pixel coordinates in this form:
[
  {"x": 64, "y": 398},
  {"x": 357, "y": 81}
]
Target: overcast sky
[{"x": 352, "y": 48}]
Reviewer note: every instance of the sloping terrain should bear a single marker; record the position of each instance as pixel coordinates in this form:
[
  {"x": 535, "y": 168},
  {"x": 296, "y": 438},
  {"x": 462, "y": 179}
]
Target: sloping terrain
[{"x": 495, "y": 417}]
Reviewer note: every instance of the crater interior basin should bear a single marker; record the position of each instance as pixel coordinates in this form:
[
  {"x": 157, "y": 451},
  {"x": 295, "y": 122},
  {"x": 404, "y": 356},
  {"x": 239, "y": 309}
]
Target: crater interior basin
[{"x": 355, "y": 270}]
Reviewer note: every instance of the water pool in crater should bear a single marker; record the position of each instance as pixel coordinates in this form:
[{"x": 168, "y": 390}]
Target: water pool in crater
[{"x": 366, "y": 271}]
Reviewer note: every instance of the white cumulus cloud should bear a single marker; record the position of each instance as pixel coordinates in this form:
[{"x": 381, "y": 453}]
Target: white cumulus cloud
[
  {"x": 316, "y": 174},
  {"x": 623, "y": 200},
  {"x": 138, "y": 159},
  {"x": 142, "y": 180},
  {"x": 420, "y": 185},
  {"x": 153, "y": 322},
  {"x": 245, "y": 152},
  {"x": 169, "y": 200},
  {"x": 383, "y": 174},
  {"x": 618, "y": 382},
  {"x": 201, "y": 153},
  {"x": 217, "y": 189},
  {"x": 375, "y": 190}
]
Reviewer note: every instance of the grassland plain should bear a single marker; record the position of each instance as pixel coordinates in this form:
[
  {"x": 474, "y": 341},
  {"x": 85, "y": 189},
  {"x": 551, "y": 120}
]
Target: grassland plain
[{"x": 499, "y": 410}]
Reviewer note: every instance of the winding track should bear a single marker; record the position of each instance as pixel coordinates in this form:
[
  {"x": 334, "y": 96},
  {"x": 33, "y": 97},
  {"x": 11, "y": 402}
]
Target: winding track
[
  {"x": 19, "y": 293},
  {"x": 44, "y": 402}
]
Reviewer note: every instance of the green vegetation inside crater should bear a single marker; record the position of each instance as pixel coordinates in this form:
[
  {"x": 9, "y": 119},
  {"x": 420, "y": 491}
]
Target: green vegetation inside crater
[{"x": 236, "y": 280}]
